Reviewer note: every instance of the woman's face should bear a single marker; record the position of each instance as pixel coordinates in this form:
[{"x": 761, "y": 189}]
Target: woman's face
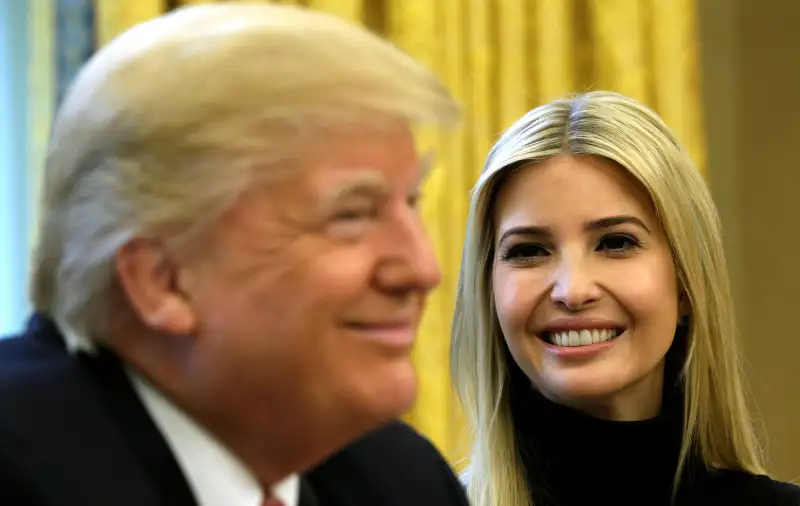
[{"x": 584, "y": 285}]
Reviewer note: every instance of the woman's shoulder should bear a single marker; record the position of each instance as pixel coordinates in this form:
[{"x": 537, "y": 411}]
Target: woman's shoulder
[
  {"x": 739, "y": 487},
  {"x": 782, "y": 493},
  {"x": 774, "y": 492}
]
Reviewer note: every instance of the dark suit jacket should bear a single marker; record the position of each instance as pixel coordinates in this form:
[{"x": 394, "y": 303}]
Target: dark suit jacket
[{"x": 73, "y": 432}]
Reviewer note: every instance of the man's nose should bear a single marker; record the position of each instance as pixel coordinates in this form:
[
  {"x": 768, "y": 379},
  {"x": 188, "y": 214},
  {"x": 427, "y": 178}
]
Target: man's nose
[{"x": 413, "y": 265}]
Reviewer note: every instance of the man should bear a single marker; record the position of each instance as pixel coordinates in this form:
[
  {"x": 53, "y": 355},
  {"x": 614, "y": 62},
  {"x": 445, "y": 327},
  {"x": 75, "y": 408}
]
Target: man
[{"x": 230, "y": 273}]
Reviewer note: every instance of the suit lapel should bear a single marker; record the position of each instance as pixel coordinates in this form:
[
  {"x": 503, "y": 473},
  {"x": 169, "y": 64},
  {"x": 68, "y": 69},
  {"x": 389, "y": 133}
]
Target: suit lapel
[
  {"x": 142, "y": 436},
  {"x": 94, "y": 443}
]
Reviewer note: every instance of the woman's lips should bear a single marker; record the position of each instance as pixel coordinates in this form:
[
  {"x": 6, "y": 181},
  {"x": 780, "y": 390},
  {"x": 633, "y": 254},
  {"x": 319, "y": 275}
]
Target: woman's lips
[{"x": 582, "y": 351}]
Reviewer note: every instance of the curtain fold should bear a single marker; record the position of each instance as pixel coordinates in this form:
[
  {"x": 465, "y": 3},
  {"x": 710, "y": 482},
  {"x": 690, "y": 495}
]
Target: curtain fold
[
  {"x": 553, "y": 27},
  {"x": 115, "y": 16},
  {"x": 676, "y": 75},
  {"x": 512, "y": 61},
  {"x": 42, "y": 85},
  {"x": 414, "y": 25},
  {"x": 619, "y": 30},
  {"x": 352, "y": 10},
  {"x": 74, "y": 40},
  {"x": 500, "y": 58}
]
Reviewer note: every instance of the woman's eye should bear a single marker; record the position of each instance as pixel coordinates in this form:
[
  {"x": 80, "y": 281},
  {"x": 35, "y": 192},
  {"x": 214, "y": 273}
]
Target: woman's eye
[
  {"x": 618, "y": 243},
  {"x": 521, "y": 252}
]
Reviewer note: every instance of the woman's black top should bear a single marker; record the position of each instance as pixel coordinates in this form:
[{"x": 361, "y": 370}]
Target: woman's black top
[{"x": 572, "y": 459}]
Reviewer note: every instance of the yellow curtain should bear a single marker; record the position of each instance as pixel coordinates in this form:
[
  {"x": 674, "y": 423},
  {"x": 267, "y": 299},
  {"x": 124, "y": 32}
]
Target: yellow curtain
[
  {"x": 501, "y": 58},
  {"x": 41, "y": 94},
  {"x": 114, "y": 17}
]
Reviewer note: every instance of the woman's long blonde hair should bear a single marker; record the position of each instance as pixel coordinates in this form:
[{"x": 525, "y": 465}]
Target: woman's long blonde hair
[{"x": 716, "y": 421}]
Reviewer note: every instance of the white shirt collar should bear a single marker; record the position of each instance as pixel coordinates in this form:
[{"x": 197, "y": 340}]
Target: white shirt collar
[{"x": 217, "y": 477}]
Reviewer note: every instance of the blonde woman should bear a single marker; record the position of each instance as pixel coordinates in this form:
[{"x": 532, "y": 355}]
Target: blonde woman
[{"x": 594, "y": 346}]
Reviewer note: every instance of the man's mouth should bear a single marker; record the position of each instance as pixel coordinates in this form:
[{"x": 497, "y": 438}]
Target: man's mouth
[
  {"x": 396, "y": 334},
  {"x": 580, "y": 337}
]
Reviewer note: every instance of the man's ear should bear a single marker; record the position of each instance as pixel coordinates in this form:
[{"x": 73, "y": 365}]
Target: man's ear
[{"x": 149, "y": 281}]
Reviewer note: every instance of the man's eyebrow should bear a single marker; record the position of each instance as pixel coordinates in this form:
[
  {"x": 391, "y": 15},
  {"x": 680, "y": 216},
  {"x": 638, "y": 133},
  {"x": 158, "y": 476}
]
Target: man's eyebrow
[{"x": 368, "y": 183}]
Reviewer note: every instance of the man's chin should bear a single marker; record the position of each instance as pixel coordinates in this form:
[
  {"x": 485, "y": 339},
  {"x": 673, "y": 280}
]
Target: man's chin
[
  {"x": 358, "y": 407},
  {"x": 390, "y": 395}
]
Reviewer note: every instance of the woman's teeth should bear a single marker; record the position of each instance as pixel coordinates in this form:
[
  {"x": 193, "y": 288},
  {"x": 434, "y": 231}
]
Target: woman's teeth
[{"x": 581, "y": 337}]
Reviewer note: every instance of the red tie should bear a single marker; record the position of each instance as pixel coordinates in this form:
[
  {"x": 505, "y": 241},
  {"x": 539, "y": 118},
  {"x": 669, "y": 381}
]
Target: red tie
[{"x": 271, "y": 501}]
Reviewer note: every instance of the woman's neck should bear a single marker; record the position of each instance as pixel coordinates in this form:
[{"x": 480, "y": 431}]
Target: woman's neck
[
  {"x": 572, "y": 457},
  {"x": 639, "y": 401}
]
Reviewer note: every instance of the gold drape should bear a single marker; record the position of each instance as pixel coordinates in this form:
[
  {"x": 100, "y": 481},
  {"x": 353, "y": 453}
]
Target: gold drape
[
  {"x": 113, "y": 17},
  {"x": 41, "y": 95},
  {"x": 501, "y": 58}
]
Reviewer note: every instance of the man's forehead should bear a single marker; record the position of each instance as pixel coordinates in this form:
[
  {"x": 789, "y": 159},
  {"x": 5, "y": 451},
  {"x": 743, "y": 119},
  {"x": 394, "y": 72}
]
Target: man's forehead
[{"x": 374, "y": 179}]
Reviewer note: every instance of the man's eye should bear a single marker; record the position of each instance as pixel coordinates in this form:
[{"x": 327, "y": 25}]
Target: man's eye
[
  {"x": 354, "y": 214},
  {"x": 352, "y": 223}
]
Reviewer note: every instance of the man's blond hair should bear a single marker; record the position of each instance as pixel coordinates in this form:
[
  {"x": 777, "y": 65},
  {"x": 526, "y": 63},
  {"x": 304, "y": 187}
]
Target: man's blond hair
[{"x": 164, "y": 128}]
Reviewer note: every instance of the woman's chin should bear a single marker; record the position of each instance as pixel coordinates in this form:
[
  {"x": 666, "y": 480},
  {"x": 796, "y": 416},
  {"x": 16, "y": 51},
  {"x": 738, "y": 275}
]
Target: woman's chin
[
  {"x": 570, "y": 387},
  {"x": 607, "y": 396},
  {"x": 580, "y": 395}
]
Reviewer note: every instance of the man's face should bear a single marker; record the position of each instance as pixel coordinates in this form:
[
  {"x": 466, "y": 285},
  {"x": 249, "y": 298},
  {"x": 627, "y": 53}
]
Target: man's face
[{"x": 310, "y": 293}]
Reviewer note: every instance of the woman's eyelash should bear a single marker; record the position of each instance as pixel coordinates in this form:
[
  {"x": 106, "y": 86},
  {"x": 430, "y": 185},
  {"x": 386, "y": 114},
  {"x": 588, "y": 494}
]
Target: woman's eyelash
[
  {"x": 612, "y": 244},
  {"x": 618, "y": 244},
  {"x": 524, "y": 251}
]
